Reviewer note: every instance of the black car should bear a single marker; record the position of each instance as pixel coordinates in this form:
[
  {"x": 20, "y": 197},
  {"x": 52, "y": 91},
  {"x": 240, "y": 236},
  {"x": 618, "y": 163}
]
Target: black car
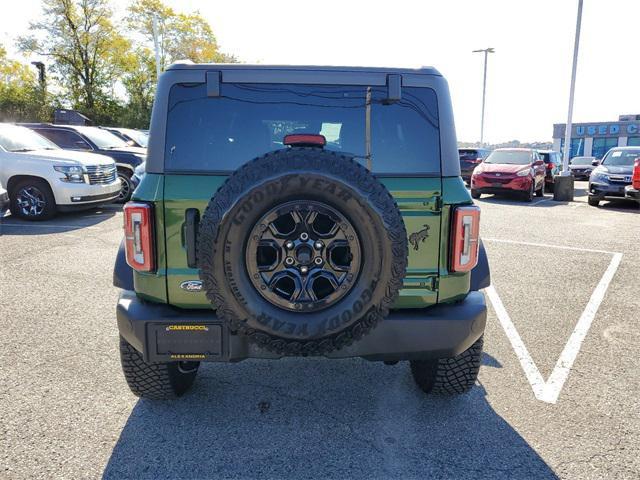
[
  {"x": 469, "y": 159},
  {"x": 609, "y": 179},
  {"x": 97, "y": 140}
]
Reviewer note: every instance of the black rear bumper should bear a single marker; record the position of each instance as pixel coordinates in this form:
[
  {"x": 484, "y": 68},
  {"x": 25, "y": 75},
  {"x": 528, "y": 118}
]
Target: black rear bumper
[{"x": 163, "y": 333}]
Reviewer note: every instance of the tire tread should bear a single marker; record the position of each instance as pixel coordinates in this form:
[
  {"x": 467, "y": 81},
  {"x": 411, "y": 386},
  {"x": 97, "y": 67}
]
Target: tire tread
[
  {"x": 155, "y": 381},
  {"x": 449, "y": 376}
]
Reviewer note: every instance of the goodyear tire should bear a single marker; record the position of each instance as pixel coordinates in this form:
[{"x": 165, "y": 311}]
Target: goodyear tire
[
  {"x": 449, "y": 376},
  {"x": 155, "y": 381},
  {"x": 293, "y": 207}
]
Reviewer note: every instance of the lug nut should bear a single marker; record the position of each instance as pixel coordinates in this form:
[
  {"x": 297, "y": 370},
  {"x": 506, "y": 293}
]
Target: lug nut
[
  {"x": 288, "y": 261},
  {"x": 318, "y": 245},
  {"x": 289, "y": 245},
  {"x": 304, "y": 269},
  {"x": 304, "y": 236},
  {"x": 317, "y": 261}
]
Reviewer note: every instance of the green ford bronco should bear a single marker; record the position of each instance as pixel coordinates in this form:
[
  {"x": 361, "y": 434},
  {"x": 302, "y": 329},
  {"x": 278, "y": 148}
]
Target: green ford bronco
[{"x": 301, "y": 211}]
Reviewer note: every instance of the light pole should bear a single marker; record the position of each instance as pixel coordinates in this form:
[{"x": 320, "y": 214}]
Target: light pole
[
  {"x": 156, "y": 48},
  {"x": 563, "y": 183},
  {"x": 486, "y": 52},
  {"x": 42, "y": 80}
]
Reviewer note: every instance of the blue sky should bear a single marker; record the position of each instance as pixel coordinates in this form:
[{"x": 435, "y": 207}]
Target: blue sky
[{"x": 528, "y": 77}]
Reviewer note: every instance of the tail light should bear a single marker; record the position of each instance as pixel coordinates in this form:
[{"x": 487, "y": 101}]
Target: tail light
[
  {"x": 305, "y": 140},
  {"x": 635, "y": 181},
  {"x": 465, "y": 236},
  {"x": 551, "y": 166},
  {"x": 138, "y": 236}
]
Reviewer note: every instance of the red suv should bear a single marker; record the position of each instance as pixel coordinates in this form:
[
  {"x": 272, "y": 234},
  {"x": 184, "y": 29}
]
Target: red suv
[
  {"x": 633, "y": 191},
  {"x": 508, "y": 170}
]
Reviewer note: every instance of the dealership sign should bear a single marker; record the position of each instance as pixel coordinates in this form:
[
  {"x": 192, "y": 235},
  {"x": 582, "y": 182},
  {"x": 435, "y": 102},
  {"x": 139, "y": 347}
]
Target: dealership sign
[
  {"x": 613, "y": 129},
  {"x": 601, "y": 130}
]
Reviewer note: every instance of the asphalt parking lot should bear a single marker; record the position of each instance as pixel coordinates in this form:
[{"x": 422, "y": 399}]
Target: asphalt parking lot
[{"x": 557, "y": 395}]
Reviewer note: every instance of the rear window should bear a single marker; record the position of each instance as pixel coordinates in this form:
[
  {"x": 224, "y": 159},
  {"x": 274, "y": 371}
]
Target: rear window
[
  {"x": 219, "y": 134},
  {"x": 469, "y": 154}
]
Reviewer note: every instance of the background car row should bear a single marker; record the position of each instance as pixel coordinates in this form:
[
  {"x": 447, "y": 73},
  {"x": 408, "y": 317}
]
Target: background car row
[
  {"x": 47, "y": 168},
  {"x": 97, "y": 140},
  {"x": 527, "y": 172}
]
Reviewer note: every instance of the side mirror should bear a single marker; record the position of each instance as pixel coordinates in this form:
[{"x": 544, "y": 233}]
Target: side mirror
[
  {"x": 595, "y": 163},
  {"x": 538, "y": 163}
]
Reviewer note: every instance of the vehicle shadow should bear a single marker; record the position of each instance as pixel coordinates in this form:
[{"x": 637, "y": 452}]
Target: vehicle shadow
[
  {"x": 620, "y": 206},
  {"x": 61, "y": 223},
  {"x": 310, "y": 418},
  {"x": 515, "y": 200}
]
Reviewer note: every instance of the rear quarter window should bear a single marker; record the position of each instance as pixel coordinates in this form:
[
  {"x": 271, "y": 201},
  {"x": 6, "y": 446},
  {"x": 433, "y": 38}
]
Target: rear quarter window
[{"x": 219, "y": 134}]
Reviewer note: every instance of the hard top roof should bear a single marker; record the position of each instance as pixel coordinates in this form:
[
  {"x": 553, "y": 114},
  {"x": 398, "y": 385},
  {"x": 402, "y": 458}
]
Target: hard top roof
[{"x": 188, "y": 65}]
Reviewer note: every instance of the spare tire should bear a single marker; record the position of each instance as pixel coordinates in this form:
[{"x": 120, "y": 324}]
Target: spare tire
[{"x": 302, "y": 250}]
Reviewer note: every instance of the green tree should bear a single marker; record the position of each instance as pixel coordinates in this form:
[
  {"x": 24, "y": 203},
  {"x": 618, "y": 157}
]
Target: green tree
[
  {"x": 21, "y": 97},
  {"x": 180, "y": 36},
  {"x": 86, "y": 49},
  {"x": 139, "y": 82}
]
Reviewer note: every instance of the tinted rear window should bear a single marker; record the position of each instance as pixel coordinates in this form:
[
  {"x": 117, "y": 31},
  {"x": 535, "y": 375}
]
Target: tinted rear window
[
  {"x": 249, "y": 120},
  {"x": 469, "y": 154}
]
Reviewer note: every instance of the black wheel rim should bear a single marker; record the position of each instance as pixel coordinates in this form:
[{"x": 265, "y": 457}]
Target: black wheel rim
[
  {"x": 31, "y": 201},
  {"x": 303, "y": 256},
  {"x": 125, "y": 189}
]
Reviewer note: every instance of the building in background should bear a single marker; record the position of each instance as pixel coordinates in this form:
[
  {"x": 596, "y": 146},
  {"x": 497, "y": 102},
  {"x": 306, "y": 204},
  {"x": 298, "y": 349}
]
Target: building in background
[{"x": 594, "y": 139}]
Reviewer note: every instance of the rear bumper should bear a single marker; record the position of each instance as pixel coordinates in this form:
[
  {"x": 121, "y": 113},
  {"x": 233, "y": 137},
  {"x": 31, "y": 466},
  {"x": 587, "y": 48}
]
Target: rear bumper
[{"x": 163, "y": 333}]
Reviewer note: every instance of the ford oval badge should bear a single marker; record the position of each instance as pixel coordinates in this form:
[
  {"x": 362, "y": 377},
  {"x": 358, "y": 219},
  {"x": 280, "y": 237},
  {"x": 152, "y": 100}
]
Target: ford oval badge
[{"x": 191, "y": 286}]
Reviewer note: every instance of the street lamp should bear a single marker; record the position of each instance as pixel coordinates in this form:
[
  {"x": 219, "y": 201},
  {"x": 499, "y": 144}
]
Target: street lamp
[
  {"x": 41, "y": 73},
  {"x": 486, "y": 52},
  {"x": 563, "y": 183}
]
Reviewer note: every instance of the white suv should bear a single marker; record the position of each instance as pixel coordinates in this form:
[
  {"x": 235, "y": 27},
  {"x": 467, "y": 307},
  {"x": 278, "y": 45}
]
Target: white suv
[{"x": 42, "y": 178}]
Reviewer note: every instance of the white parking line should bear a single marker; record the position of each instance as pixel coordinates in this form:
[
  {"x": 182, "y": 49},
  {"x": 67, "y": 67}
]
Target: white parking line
[
  {"x": 550, "y": 390},
  {"x": 540, "y": 201},
  {"x": 546, "y": 245}
]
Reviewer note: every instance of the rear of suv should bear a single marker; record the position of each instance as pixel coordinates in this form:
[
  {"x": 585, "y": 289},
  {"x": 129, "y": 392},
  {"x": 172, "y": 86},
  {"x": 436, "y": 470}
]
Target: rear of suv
[
  {"x": 301, "y": 211},
  {"x": 552, "y": 164},
  {"x": 470, "y": 158}
]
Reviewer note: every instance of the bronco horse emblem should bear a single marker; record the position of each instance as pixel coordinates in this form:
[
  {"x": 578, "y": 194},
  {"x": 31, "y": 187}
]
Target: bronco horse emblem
[{"x": 420, "y": 236}]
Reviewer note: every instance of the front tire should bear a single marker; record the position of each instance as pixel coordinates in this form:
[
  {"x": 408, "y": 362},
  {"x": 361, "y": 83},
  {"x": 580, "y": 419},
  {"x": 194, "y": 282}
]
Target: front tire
[
  {"x": 528, "y": 196},
  {"x": 593, "y": 201},
  {"x": 155, "y": 381},
  {"x": 32, "y": 199},
  {"x": 127, "y": 187},
  {"x": 449, "y": 376}
]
